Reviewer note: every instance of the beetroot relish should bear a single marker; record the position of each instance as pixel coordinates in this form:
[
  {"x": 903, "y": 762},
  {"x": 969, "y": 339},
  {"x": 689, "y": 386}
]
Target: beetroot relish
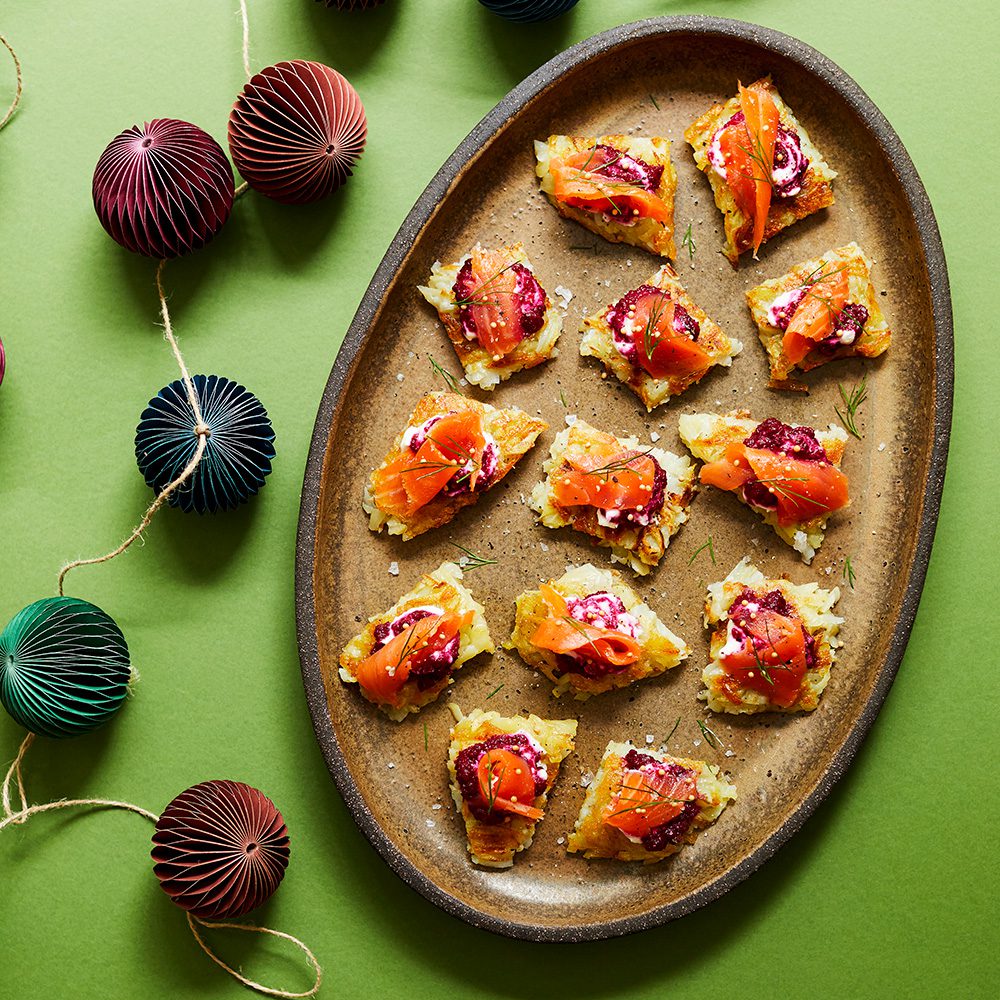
[
  {"x": 529, "y": 300},
  {"x": 849, "y": 326},
  {"x": 673, "y": 831},
  {"x": 774, "y": 601},
  {"x": 467, "y": 771},
  {"x": 796, "y": 442},
  {"x": 429, "y": 668},
  {"x": 621, "y": 166}
]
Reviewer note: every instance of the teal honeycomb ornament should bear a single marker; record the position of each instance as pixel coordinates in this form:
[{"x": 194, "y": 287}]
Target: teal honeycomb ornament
[{"x": 64, "y": 667}]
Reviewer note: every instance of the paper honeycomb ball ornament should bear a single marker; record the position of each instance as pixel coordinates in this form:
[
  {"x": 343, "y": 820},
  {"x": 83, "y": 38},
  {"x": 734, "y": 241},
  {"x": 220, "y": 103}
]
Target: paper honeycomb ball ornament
[
  {"x": 296, "y": 130},
  {"x": 220, "y": 849},
  {"x": 525, "y": 11},
  {"x": 164, "y": 189},
  {"x": 238, "y": 453},
  {"x": 352, "y": 4},
  {"x": 64, "y": 667}
]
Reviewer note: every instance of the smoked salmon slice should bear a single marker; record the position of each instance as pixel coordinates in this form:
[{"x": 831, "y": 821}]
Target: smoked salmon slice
[
  {"x": 604, "y": 475},
  {"x": 383, "y": 674},
  {"x": 748, "y": 153},
  {"x": 562, "y": 635},
  {"x": 492, "y": 302},
  {"x": 648, "y": 799},
  {"x": 411, "y": 480},
  {"x": 575, "y": 185},
  {"x": 776, "y": 663},
  {"x": 660, "y": 350},
  {"x": 802, "y": 490},
  {"x": 507, "y": 784},
  {"x": 815, "y": 315}
]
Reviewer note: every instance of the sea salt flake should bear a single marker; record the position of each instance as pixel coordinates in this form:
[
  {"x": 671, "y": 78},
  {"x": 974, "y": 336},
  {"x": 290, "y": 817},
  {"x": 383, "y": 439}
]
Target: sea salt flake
[
  {"x": 564, "y": 295},
  {"x": 570, "y": 419},
  {"x": 649, "y": 738},
  {"x": 394, "y": 568},
  {"x": 399, "y": 376},
  {"x": 586, "y": 779},
  {"x": 430, "y": 824},
  {"x": 654, "y": 437}
]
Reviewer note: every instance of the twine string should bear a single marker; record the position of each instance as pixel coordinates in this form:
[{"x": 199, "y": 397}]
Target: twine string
[
  {"x": 200, "y": 429},
  {"x": 15, "y": 772},
  {"x": 19, "y": 86},
  {"x": 26, "y": 811},
  {"x": 246, "y": 38},
  {"x": 242, "y": 188},
  {"x": 193, "y": 921}
]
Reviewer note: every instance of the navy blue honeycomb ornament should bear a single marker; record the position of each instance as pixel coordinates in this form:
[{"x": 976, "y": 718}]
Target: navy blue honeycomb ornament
[
  {"x": 238, "y": 451},
  {"x": 527, "y": 11},
  {"x": 64, "y": 667}
]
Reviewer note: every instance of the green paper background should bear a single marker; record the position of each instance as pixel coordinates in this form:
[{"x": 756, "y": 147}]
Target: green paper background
[{"x": 890, "y": 889}]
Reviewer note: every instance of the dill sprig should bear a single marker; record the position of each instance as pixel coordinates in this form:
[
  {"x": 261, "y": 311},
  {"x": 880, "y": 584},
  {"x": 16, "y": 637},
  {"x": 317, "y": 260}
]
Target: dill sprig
[
  {"x": 650, "y": 337},
  {"x": 779, "y": 487},
  {"x": 701, "y": 548},
  {"x": 425, "y": 737},
  {"x": 601, "y": 184},
  {"x": 471, "y": 561},
  {"x": 477, "y": 299},
  {"x": 620, "y": 464},
  {"x": 410, "y": 645},
  {"x": 497, "y": 689},
  {"x": 688, "y": 241},
  {"x": 449, "y": 379},
  {"x": 761, "y": 666},
  {"x": 852, "y": 401},
  {"x": 658, "y": 799},
  {"x": 819, "y": 273},
  {"x": 655, "y": 105},
  {"x": 562, "y": 399},
  {"x": 710, "y": 738},
  {"x": 849, "y": 572},
  {"x": 490, "y": 775},
  {"x": 757, "y": 156},
  {"x": 579, "y": 627},
  {"x": 428, "y": 469},
  {"x": 674, "y": 730}
]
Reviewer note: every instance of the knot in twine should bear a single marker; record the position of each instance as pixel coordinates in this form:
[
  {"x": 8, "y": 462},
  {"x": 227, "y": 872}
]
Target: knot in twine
[{"x": 25, "y": 812}]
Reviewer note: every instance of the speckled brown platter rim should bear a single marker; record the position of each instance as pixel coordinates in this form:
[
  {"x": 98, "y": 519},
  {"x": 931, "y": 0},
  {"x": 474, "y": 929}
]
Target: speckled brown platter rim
[{"x": 919, "y": 205}]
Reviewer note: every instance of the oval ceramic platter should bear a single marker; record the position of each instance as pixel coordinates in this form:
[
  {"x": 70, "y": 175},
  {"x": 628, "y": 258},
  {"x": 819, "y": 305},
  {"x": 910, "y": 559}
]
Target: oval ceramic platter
[{"x": 649, "y": 78}]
